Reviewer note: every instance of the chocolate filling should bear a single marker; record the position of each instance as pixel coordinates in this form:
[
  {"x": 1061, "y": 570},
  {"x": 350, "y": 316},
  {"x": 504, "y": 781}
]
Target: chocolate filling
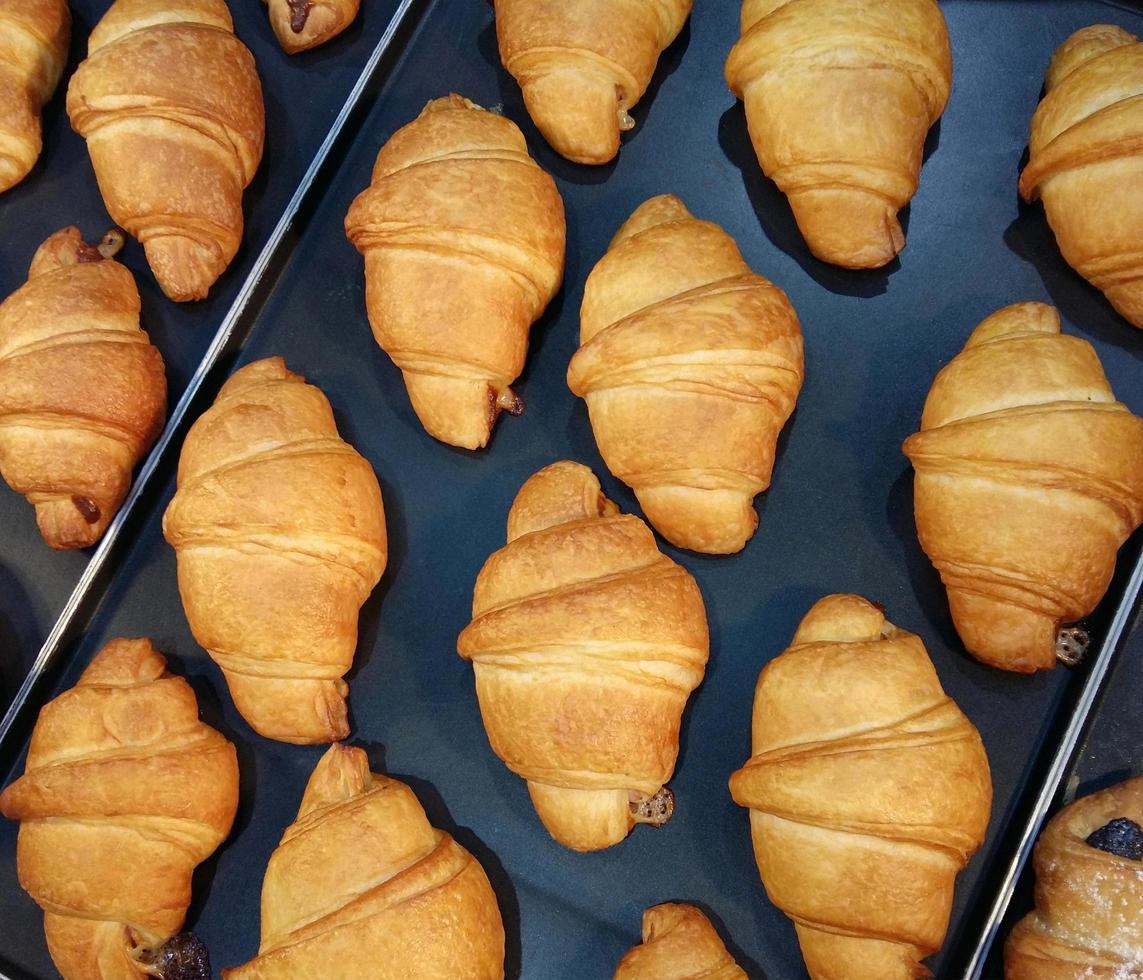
[
  {"x": 88, "y": 508},
  {"x": 182, "y": 957},
  {"x": 299, "y": 13}
]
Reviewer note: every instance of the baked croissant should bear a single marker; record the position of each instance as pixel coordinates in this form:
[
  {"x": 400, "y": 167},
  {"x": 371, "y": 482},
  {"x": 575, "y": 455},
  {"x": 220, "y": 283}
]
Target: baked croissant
[
  {"x": 303, "y": 24},
  {"x": 171, "y": 107},
  {"x": 463, "y": 238},
  {"x": 1086, "y": 161},
  {"x": 690, "y": 365},
  {"x": 839, "y": 97},
  {"x": 82, "y": 389},
  {"x": 586, "y": 642},
  {"x": 34, "y": 37},
  {"x": 362, "y": 885},
  {"x": 868, "y": 792},
  {"x": 1088, "y": 922},
  {"x": 1029, "y": 478},
  {"x": 125, "y": 791},
  {"x": 581, "y": 66},
  {"x": 679, "y": 943},
  {"x": 280, "y": 534}
]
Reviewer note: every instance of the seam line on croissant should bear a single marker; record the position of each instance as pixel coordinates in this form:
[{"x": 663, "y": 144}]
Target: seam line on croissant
[
  {"x": 659, "y": 567},
  {"x": 70, "y": 422}
]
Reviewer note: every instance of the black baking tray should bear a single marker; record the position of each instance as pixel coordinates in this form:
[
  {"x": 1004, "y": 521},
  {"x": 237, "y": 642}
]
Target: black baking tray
[
  {"x": 303, "y": 95},
  {"x": 837, "y": 518}
]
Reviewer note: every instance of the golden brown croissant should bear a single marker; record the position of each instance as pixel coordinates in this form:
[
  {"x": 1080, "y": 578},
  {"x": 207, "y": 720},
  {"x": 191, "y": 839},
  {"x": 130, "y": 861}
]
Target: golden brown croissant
[
  {"x": 679, "y": 943},
  {"x": 362, "y": 885},
  {"x": 586, "y": 642},
  {"x": 583, "y": 65},
  {"x": 463, "y": 238},
  {"x": 280, "y": 533},
  {"x": 82, "y": 390},
  {"x": 125, "y": 791},
  {"x": 303, "y": 24},
  {"x": 171, "y": 107},
  {"x": 1086, "y": 161},
  {"x": 33, "y": 49},
  {"x": 1029, "y": 478},
  {"x": 868, "y": 792},
  {"x": 1088, "y": 921},
  {"x": 839, "y": 97},
  {"x": 690, "y": 365}
]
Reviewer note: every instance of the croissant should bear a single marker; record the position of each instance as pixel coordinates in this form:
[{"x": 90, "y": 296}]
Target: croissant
[
  {"x": 34, "y": 38},
  {"x": 279, "y": 529},
  {"x": 1029, "y": 478},
  {"x": 583, "y": 65},
  {"x": 125, "y": 791},
  {"x": 1088, "y": 922},
  {"x": 303, "y": 24},
  {"x": 586, "y": 642},
  {"x": 690, "y": 365},
  {"x": 463, "y": 238},
  {"x": 82, "y": 390},
  {"x": 171, "y": 108},
  {"x": 1086, "y": 161},
  {"x": 839, "y": 97},
  {"x": 868, "y": 792},
  {"x": 679, "y": 943},
  {"x": 362, "y": 885}
]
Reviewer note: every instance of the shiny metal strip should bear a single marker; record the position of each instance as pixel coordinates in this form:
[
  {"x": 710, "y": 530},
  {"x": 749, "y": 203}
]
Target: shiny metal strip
[{"x": 52, "y": 644}]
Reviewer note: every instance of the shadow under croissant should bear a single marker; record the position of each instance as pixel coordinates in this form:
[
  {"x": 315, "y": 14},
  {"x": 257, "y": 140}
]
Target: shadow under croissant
[
  {"x": 1083, "y": 306},
  {"x": 439, "y": 816},
  {"x": 19, "y": 631},
  {"x": 210, "y": 711},
  {"x": 512, "y": 106},
  {"x": 777, "y": 219}
]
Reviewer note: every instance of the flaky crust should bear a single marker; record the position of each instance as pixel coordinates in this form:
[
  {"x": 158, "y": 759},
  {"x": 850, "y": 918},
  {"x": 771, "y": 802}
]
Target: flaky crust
[
  {"x": 1088, "y": 920},
  {"x": 1086, "y": 161},
  {"x": 171, "y": 107},
  {"x": 303, "y": 24},
  {"x": 690, "y": 365},
  {"x": 1029, "y": 476},
  {"x": 586, "y": 642},
  {"x": 679, "y": 943},
  {"x": 868, "y": 792},
  {"x": 125, "y": 791},
  {"x": 582, "y": 65},
  {"x": 34, "y": 37},
  {"x": 363, "y": 886},
  {"x": 82, "y": 390},
  {"x": 280, "y": 533},
  {"x": 463, "y": 238},
  {"x": 839, "y": 97}
]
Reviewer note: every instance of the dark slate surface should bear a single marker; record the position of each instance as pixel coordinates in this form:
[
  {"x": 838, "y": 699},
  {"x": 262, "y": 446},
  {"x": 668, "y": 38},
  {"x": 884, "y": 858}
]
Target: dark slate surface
[{"x": 838, "y": 517}]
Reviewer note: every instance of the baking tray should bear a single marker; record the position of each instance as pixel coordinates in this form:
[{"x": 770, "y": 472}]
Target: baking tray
[
  {"x": 303, "y": 97},
  {"x": 838, "y": 517}
]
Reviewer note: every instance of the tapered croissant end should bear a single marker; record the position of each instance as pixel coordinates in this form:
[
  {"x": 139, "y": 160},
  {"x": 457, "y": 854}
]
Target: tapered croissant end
[
  {"x": 1081, "y": 47},
  {"x": 864, "y": 958},
  {"x": 715, "y": 522},
  {"x": 74, "y": 522},
  {"x": 844, "y": 226},
  {"x": 559, "y": 493},
  {"x": 301, "y": 711},
  {"x": 184, "y": 268},
  {"x": 679, "y": 943},
  {"x": 578, "y": 113},
  {"x": 459, "y": 411},
  {"x": 1004, "y": 635},
  {"x": 583, "y": 819}
]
